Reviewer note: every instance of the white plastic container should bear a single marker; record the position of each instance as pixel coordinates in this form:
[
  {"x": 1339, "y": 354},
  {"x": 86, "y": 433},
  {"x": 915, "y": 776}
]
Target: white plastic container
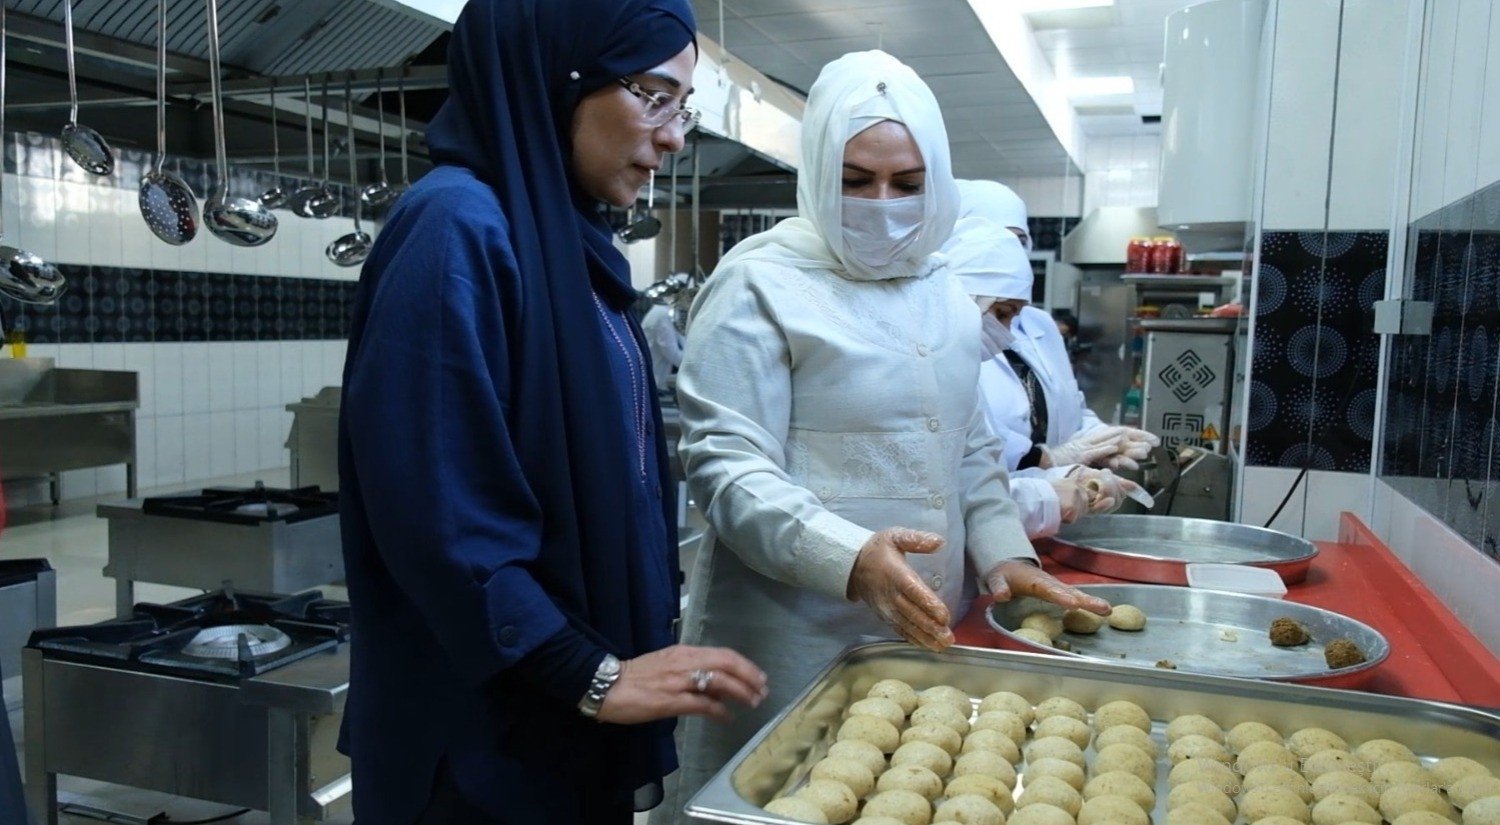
[{"x": 1236, "y": 578}]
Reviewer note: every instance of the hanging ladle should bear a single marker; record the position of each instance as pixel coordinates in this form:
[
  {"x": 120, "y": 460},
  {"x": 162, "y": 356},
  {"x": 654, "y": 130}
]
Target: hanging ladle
[
  {"x": 23, "y": 276},
  {"x": 646, "y": 226},
  {"x": 317, "y": 200},
  {"x": 83, "y": 145},
  {"x": 353, "y": 248},
  {"x": 275, "y": 196},
  {"x": 379, "y": 192},
  {"x": 166, "y": 201},
  {"x": 240, "y": 221},
  {"x": 309, "y": 191},
  {"x": 405, "y": 171}
]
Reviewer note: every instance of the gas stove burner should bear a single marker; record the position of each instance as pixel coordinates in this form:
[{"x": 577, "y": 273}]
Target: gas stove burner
[
  {"x": 224, "y": 641},
  {"x": 245, "y": 505},
  {"x": 267, "y": 509}
]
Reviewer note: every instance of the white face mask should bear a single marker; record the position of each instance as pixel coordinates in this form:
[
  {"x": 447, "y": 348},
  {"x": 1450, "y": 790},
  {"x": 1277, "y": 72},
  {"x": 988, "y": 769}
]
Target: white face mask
[
  {"x": 877, "y": 232},
  {"x": 994, "y": 337}
]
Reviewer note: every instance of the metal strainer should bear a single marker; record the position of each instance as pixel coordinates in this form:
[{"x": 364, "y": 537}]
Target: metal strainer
[{"x": 166, "y": 201}]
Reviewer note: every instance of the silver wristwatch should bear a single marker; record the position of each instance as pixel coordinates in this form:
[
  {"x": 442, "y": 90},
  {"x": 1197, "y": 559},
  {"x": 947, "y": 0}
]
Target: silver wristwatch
[{"x": 604, "y": 679}]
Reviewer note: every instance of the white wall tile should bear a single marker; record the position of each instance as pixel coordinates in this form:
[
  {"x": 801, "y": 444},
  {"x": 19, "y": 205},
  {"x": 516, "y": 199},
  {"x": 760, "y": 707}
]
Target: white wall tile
[
  {"x": 193, "y": 255},
  {"x": 196, "y": 386},
  {"x": 110, "y": 481},
  {"x": 75, "y": 356},
  {"x": 74, "y": 203},
  {"x": 268, "y": 357},
  {"x": 218, "y": 255},
  {"x": 275, "y": 425},
  {"x": 136, "y": 238},
  {"x": 1488, "y": 166},
  {"x": 145, "y": 452},
  {"x": 109, "y": 356},
  {"x": 167, "y": 364},
  {"x": 105, "y": 224},
  {"x": 289, "y": 357},
  {"x": 246, "y": 375},
  {"x": 221, "y": 376},
  {"x": 247, "y": 441},
  {"x": 197, "y": 447},
  {"x": 37, "y": 199},
  {"x": 10, "y": 207},
  {"x": 222, "y": 443},
  {"x": 78, "y": 484},
  {"x": 170, "y": 467},
  {"x": 140, "y": 359}
]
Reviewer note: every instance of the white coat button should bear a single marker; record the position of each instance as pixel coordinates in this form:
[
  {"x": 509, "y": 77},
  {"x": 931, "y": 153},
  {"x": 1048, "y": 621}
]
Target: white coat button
[
  {"x": 825, "y": 493},
  {"x": 937, "y": 502},
  {"x": 933, "y": 424},
  {"x": 937, "y": 581},
  {"x": 922, "y": 350}
]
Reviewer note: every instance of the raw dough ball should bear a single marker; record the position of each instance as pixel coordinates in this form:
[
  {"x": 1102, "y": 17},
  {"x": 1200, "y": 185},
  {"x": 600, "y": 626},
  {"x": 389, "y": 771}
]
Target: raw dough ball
[
  {"x": 1472, "y": 788},
  {"x": 926, "y": 754},
  {"x": 1194, "y": 746},
  {"x": 1404, "y": 799},
  {"x": 1127, "y": 758},
  {"x": 1341, "y": 808},
  {"x": 1034, "y": 636},
  {"x": 1055, "y": 747},
  {"x": 1067, "y": 727},
  {"x": 1422, "y": 818},
  {"x": 1195, "y": 814},
  {"x": 877, "y": 820},
  {"x": 797, "y": 810},
  {"x": 1121, "y": 712},
  {"x": 904, "y": 806},
  {"x": 1279, "y": 776},
  {"x": 897, "y": 691},
  {"x": 1402, "y": 773},
  {"x": 876, "y": 731},
  {"x": 1203, "y": 794},
  {"x": 1279, "y": 820},
  {"x": 1041, "y": 815},
  {"x": 1127, "y": 617},
  {"x": 837, "y": 801},
  {"x": 1013, "y": 702},
  {"x": 1127, "y": 735},
  {"x": 852, "y": 773},
  {"x": 1256, "y": 754},
  {"x": 970, "y": 809},
  {"x": 1215, "y": 773},
  {"x": 1342, "y": 653},
  {"x": 1082, "y": 621},
  {"x": 1483, "y": 811},
  {"x": 881, "y": 709},
  {"x": 946, "y": 695},
  {"x": 994, "y": 741},
  {"x": 1057, "y": 769},
  {"x": 914, "y": 778},
  {"x": 860, "y": 751},
  {"x": 986, "y": 763},
  {"x": 1346, "y": 783},
  {"x": 1004, "y": 721},
  {"x": 1309, "y": 741},
  {"x": 1450, "y": 770},
  {"x": 1194, "y": 725},
  {"x": 1061, "y": 706},
  {"x": 1044, "y": 623},
  {"x": 1119, "y": 783},
  {"x": 1246, "y": 732},
  {"x": 1377, "y": 752},
  {"x": 1273, "y": 801},
  {"x": 942, "y": 714},
  {"x": 941, "y": 735},
  {"x": 988, "y": 787},
  {"x": 1049, "y": 790},
  {"x": 1287, "y": 632},
  {"x": 1112, "y": 810},
  {"x": 1331, "y": 761}
]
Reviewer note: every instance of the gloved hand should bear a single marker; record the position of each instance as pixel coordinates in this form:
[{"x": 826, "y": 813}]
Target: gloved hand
[
  {"x": 1019, "y": 577},
  {"x": 883, "y": 580},
  {"x": 1072, "y": 498},
  {"x": 1106, "y": 490},
  {"x": 994, "y": 336},
  {"x": 1088, "y": 448},
  {"x": 1136, "y": 445}
]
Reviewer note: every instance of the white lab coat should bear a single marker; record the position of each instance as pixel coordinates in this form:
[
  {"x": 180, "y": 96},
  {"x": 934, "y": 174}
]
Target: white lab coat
[{"x": 665, "y": 343}]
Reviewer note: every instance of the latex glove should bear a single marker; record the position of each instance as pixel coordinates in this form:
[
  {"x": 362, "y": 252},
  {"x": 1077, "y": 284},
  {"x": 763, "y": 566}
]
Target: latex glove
[
  {"x": 1088, "y": 448},
  {"x": 883, "y": 580},
  {"x": 994, "y": 336},
  {"x": 1019, "y": 577},
  {"x": 1072, "y": 499},
  {"x": 1106, "y": 490},
  {"x": 1137, "y": 445},
  {"x": 661, "y": 685}
]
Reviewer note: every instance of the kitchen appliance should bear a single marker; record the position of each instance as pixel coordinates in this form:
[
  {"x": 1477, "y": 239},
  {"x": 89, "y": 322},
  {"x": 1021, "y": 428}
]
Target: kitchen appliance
[
  {"x": 229, "y": 697},
  {"x": 28, "y": 600},
  {"x": 314, "y": 440},
  {"x": 257, "y": 539},
  {"x": 1187, "y": 376}
]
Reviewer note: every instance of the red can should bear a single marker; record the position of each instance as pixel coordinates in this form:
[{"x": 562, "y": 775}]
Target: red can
[
  {"x": 1166, "y": 256},
  {"x": 1138, "y": 255}
]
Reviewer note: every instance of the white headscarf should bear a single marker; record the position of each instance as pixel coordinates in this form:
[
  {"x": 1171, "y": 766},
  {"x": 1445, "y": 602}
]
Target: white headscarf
[
  {"x": 852, "y": 94},
  {"x": 988, "y": 259},
  {"x": 995, "y": 202}
]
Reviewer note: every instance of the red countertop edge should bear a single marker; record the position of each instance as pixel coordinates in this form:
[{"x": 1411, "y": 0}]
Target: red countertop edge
[{"x": 1453, "y": 666}]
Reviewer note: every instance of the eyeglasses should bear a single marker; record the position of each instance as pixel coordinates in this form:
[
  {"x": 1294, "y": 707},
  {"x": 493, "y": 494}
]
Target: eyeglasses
[{"x": 659, "y": 111}]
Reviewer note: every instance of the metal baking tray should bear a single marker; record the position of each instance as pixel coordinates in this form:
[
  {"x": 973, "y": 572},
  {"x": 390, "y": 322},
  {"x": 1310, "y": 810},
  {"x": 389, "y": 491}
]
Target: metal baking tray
[
  {"x": 1158, "y": 549},
  {"x": 1208, "y": 631},
  {"x": 782, "y": 754}
]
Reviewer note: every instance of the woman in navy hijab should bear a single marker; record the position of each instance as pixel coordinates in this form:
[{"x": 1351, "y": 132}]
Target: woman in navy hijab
[{"x": 508, "y": 517}]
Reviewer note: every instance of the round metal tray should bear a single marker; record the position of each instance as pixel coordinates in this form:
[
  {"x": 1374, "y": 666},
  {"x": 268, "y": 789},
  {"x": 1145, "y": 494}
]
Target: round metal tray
[
  {"x": 1207, "y": 631},
  {"x": 1158, "y": 549}
]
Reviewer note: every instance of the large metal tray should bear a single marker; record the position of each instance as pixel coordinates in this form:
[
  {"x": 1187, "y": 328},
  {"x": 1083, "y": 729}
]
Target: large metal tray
[
  {"x": 782, "y": 754},
  {"x": 1158, "y": 549},
  {"x": 1208, "y": 631}
]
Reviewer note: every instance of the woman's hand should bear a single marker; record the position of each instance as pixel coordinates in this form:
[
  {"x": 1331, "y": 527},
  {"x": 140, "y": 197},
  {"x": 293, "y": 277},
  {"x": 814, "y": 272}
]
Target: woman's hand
[
  {"x": 1106, "y": 491},
  {"x": 664, "y": 684},
  {"x": 883, "y": 580},
  {"x": 1072, "y": 499},
  {"x": 1018, "y": 577}
]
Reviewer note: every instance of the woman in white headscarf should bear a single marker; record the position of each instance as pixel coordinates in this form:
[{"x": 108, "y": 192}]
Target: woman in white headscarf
[
  {"x": 831, "y": 428},
  {"x": 992, "y": 265}
]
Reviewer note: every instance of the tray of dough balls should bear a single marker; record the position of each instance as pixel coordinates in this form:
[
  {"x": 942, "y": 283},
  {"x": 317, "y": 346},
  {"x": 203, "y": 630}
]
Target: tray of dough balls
[
  {"x": 1204, "y": 631},
  {"x": 890, "y": 734}
]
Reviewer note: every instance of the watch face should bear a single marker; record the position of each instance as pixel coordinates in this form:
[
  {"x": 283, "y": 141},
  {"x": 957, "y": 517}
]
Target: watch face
[{"x": 610, "y": 666}]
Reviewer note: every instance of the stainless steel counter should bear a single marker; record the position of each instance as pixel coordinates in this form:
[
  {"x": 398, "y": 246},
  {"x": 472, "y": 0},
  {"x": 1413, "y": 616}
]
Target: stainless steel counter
[{"x": 52, "y": 420}]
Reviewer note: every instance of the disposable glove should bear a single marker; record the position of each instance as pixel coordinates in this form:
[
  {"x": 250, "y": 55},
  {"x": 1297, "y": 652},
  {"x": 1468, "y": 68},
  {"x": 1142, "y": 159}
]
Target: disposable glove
[
  {"x": 1136, "y": 446},
  {"x": 1072, "y": 498},
  {"x": 1088, "y": 448},
  {"x": 1019, "y": 577},
  {"x": 883, "y": 580}
]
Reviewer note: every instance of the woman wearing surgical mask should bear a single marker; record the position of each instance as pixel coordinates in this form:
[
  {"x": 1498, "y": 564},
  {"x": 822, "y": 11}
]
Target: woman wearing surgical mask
[
  {"x": 831, "y": 428},
  {"x": 1030, "y": 395},
  {"x": 992, "y": 265}
]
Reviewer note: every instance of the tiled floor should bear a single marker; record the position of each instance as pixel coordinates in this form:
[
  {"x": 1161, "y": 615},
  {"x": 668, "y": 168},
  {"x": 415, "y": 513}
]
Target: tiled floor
[{"x": 73, "y": 539}]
